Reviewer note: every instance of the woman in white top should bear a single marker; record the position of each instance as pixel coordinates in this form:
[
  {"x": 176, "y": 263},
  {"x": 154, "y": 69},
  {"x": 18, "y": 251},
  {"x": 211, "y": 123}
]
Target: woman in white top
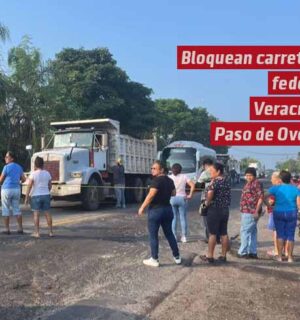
[
  {"x": 179, "y": 202},
  {"x": 39, "y": 187}
]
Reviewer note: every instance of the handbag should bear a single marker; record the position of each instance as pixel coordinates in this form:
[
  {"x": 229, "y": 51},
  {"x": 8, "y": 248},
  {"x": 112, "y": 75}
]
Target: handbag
[{"x": 203, "y": 209}]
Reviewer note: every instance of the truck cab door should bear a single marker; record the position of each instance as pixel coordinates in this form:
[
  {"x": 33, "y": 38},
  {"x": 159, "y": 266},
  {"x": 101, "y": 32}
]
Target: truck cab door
[{"x": 100, "y": 151}]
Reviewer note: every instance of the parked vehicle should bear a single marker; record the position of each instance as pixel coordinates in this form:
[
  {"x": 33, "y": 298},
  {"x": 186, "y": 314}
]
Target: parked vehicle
[
  {"x": 231, "y": 166},
  {"x": 188, "y": 154},
  {"x": 82, "y": 155}
]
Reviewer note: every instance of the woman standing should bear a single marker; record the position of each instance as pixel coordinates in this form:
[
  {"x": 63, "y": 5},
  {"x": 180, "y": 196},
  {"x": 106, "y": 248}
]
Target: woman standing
[
  {"x": 287, "y": 204},
  {"x": 39, "y": 187},
  {"x": 179, "y": 201},
  {"x": 10, "y": 179},
  {"x": 218, "y": 198},
  {"x": 160, "y": 213},
  {"x": 251, "y": 203}
]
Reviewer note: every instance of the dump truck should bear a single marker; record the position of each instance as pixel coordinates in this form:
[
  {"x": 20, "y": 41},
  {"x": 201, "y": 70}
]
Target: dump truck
[{"x": 80, "y": 157}]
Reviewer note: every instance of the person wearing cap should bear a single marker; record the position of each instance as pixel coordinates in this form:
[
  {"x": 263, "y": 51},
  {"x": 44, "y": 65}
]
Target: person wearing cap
[
  {"x": 251, "y": 203},
  {"x": 119, "y": 183}
]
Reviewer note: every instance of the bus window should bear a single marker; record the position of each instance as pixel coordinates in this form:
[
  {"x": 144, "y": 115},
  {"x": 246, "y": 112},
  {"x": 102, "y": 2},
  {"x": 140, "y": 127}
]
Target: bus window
[{"x": 186, "y": 157}]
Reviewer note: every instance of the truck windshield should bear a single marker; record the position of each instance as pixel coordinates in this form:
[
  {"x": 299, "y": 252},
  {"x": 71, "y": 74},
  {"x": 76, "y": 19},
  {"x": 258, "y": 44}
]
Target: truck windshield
[
  {"x": 186, "y": 157},
  {"x": 82, "y": 139}
]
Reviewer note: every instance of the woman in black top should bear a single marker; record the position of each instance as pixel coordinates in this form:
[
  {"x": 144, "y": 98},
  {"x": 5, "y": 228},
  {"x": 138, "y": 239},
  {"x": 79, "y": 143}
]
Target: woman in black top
[
  {"x": 160, "y": 213},
  {"x": 218, "y": 197}
]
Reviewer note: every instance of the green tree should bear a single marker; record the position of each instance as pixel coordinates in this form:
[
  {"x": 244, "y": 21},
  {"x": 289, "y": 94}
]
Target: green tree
[
  {"x": 89, "y": 84},
  {"x": 246, "y": 161},
  {"x": 4, "y": 32},
  {"x": 292, "y": 165},
  {"x": 25, "y": 112},
  {"x": 175, "y": 118}
]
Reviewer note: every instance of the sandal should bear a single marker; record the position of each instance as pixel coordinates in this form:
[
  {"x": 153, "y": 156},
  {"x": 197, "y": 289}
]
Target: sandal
[
  {"x": 271, "y": 253},
  {"x": 277, "y": 258},
  {"x": 222, "y": 259},
  {"x": 206, "y": 259},
  {"x": 51, "y": 235}
]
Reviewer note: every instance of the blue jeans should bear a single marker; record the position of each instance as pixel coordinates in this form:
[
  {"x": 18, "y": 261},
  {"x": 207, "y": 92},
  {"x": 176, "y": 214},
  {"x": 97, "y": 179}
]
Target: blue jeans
[
  {"x": 163, "y": 217},
  {"x": 248, "y": 234},
  {"x": 120, "y": 194},
  {"x": 179, "y": 206}
]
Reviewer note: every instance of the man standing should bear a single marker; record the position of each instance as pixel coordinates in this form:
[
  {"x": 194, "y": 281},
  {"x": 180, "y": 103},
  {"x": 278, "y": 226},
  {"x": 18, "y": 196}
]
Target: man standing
[
  {"x": 204, "y": 181},
  {"x": 119, "y": 183}
]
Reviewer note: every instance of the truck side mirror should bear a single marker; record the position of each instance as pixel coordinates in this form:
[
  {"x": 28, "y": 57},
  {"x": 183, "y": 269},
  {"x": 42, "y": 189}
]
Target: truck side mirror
[{"x": 73, "y": 145}]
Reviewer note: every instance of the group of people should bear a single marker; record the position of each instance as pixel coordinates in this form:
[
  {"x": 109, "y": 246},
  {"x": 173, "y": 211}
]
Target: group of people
[
  {"x": 167, "y": 199},
  {"x": 37, "y": 194},
  {"x": 283, "y": 203}
]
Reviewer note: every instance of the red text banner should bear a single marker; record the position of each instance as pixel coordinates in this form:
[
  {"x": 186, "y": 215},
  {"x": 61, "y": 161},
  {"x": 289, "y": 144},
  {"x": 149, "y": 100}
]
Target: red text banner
[
  {"x": 254, "y": 134},
  {"x": 275, "y": 108},
  {"x": 238, "y": 57},
  {"x": 283, "y": 82}
]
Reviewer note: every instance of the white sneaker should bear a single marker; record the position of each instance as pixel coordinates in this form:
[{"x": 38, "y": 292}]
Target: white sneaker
[
  {"x": 151, "y": 262},
  {"x": 177, "y": 260},
  {"x": 183, "y": 239}
]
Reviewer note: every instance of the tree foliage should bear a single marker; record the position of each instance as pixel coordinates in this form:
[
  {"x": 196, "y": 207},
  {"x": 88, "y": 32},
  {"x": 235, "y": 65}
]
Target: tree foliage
[
  {"x": 89, "y": 84},
  {"x": 4, "y": 32},
  {"x": 246, "y": 161},
  {"x": 24, "y": 111},
  {"x": 292, "y": 165},
  {"x": 176, "y": 119},
  {"x": 85, "y": 84}
]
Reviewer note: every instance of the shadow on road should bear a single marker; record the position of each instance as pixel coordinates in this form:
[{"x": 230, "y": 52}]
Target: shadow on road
[{"x": 85, "y": 310}]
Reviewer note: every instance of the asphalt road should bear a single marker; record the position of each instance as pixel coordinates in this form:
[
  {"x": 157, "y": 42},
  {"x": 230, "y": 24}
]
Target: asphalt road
[{"x": 92, "y": 268}]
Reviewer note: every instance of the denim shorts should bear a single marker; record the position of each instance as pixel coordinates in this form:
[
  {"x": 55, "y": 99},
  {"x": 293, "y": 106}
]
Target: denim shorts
[
  {"x": 10, "y": 199},
  {"x": 285, "y": 224},
  {"x": 40, "y": 203}
]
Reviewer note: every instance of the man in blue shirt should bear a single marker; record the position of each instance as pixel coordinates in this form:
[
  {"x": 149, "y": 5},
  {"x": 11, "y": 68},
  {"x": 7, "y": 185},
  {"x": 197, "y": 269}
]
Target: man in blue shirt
[{"x": 10, "y": 179}]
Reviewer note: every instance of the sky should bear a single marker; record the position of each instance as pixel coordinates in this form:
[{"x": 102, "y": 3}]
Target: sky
[{"x": 143, "y": 35}]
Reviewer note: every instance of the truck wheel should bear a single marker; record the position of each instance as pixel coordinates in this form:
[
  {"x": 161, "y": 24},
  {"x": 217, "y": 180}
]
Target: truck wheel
[
  {"x": 90, "y": 199},
  {"x": 138, "y": 192}
]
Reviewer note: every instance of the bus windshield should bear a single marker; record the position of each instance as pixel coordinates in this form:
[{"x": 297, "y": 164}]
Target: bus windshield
[
  {"x": 82, "y": 139},
  {"x": 186, "y": 157}
]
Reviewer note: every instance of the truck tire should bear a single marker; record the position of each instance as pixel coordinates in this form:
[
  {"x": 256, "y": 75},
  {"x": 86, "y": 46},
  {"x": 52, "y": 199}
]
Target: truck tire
[
  {"x": 138, "y": 191},
  {"x": 90, "y": 195}
]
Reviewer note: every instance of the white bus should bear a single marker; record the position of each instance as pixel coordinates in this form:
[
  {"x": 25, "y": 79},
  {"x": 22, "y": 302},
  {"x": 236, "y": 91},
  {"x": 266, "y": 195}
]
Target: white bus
[{"x": 188, "y": 154}]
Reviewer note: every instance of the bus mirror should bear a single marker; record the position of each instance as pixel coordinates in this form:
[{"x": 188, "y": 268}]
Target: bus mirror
[
  {"x": 198, "y": 155},
  {"x": 159, "y": 155}
]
